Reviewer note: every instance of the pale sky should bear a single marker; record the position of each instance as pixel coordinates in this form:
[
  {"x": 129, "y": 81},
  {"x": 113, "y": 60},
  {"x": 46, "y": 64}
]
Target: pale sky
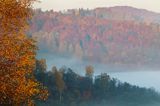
[{"x": 152, "y": 5}]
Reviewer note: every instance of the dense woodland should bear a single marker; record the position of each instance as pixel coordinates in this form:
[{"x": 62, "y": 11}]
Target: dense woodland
[
  {"x": 24, "y": 81},
  {"x": 67, "y": 88},
  {"x": 121, "y": 35}
]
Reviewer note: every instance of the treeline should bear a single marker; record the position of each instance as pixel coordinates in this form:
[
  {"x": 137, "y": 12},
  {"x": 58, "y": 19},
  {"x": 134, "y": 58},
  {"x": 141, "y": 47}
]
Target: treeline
[{"x": 67, "y": 88}]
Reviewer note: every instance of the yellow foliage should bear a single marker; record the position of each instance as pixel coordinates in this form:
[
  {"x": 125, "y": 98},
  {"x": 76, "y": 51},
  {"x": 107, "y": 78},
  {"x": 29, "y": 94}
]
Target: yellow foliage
[
  {"x": 89, "y": 71},
  {"x": 17, "y": 55},
  {"x": 59, "y": 81}
]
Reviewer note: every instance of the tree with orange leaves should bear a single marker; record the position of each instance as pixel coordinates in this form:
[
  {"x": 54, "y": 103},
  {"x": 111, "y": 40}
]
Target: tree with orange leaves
[
  {"x": 89, "y": 71},
  {"x": 59, "y": 82},
  {"x": 17, "y": 55}
]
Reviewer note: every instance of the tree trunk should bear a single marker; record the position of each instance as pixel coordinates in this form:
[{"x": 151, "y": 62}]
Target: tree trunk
[{"x": 60, "y": 97}]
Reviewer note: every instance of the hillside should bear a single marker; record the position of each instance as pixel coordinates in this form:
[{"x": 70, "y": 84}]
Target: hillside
[
  {"x": 116, "y": 35},
  {"x": 101, "y": 90}
]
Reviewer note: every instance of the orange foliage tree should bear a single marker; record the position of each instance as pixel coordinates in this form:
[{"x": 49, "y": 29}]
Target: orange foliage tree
[
  {"x": 17, "y": 55},
  {"x": 59, "y": 82},
  {"x": 89, "y": 71}
]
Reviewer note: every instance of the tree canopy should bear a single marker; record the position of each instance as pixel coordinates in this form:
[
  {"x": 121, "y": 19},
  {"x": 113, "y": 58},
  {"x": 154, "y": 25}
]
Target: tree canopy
[{"x": 17, "y": 55}]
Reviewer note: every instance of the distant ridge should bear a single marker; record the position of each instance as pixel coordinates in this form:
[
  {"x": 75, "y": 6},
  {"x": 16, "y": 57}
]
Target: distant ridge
[{"x": 118, "y": 35}]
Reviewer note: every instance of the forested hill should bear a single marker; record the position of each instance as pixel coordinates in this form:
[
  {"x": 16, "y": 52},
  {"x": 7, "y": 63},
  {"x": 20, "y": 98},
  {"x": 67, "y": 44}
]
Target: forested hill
[
  {"x": 116, "y": 35},
  {"x": 67, "y": 88}
]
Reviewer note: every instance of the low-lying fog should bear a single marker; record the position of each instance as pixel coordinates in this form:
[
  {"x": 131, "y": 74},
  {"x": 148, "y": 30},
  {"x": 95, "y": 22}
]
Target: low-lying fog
[{"x": 141, "y": 77}]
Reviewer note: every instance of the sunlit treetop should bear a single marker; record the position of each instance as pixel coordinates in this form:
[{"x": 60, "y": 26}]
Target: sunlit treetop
[{"x": 13, "y": 15}]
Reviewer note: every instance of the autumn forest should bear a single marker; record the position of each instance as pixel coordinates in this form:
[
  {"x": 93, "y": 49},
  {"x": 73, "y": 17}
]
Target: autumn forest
[{"x": 26, "y": 32}]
